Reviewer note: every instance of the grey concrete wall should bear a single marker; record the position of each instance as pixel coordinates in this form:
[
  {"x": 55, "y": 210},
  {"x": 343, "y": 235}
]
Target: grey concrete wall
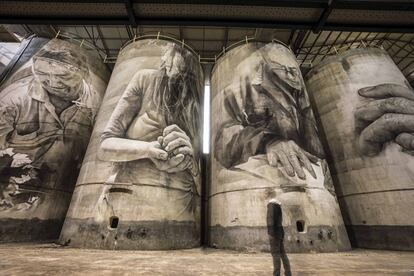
[
  {"x": 48, "y": 109},
  {"x": 139, "y": 187},
  {"x": 265, "y": 146},
  {"x": 365, "y": 106}
]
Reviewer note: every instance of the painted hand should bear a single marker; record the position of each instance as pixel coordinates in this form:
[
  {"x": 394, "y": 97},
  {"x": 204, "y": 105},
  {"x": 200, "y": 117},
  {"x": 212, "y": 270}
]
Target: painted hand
[
  {"x": 20, "y": 160},
  {"x": 156, "y": 152},
  {"x": 387, "y": 116},
  {"x": 171, "y": 164},
  {"x": 292, "y": 158},
  {"x": 177, "y": 143},
  {"x": 161, "y": 160}
]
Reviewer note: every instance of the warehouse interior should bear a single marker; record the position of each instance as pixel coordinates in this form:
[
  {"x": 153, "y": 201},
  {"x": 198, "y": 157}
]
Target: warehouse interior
[{"x": 313, "y": 30}]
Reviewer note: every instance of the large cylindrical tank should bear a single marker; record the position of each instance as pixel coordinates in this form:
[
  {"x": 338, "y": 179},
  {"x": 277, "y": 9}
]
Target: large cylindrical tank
[
  {"x": 135, "y": 191},
  {"x": 365, "y": 106},
  {"x": 47, "y": 112},
  {"x": 262, "y": 121}
]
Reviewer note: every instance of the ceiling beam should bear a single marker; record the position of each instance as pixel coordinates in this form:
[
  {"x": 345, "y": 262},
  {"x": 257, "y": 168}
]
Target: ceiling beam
[
  {"x": 24, "y": 30},
  {"x": 64, "y": 20},
  {"x": 311, "y": 48},
  {"x": 264, "y": 34},
  {"x": 324, "y": 16},
  {"x": 130, "y": 11},
  {"x": 291, "y": 35},
  {"x": 181, "y": 33},
  {"x": 267, "y": 3},
  {"x": 328, "y": 52},
  {"x": 401, "y": 5},
  {"x": 409, "y": 28},
  {"x": 395, "y": 42},
  {"x": 128, "y": 30},
  {"x": 342, "y": 4},
  {"x": 226, "y": 38},
  {"x": 403, "y": 47},
  {"x": 101, "y": 37},
  {"x": 407, "y": 66},
  {"x": 299, "y": 40},
  {"x": 353, "y": 41},
  {"x": 324, "y": 43}
]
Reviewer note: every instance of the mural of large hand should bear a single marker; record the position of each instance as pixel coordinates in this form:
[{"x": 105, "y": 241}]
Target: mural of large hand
[
  {"x": 171, "y": 164},
  {"x": 292, "y": 157},
  {"x": 387, "y": 116},
  {"x": 179, "y": 148}
]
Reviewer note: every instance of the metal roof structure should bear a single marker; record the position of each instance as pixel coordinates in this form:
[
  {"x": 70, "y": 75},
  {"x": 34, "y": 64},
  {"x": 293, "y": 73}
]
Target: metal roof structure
[
  {"x": 381, "y": 15},
  {"x": 313, "y": 29},
  {"x": 6, "y": 36}
]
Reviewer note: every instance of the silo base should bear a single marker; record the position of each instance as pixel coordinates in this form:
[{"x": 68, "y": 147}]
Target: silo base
[
  {"x": 317, "y": 239},
  {"x": 131, "y": 235},
  {"x": 26, "y": 230},
  {"x": 392, "y": 237},
  {"x": 311, "y": 221},
  {"x": 41, "y": 221}
]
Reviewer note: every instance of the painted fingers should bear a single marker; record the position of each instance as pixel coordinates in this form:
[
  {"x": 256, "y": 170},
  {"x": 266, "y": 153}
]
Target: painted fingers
[
  {"x": 292, "y": 158},
  {"x": 176, "y": 144},
  {"x": 387, "y": 116}
]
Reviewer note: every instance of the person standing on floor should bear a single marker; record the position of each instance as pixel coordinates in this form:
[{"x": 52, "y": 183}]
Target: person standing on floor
[{"x": 276, "y": 236}]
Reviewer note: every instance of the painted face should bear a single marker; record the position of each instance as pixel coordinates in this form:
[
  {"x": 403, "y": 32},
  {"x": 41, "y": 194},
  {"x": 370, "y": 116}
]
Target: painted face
[
  {"x": 176, "y": 66},
  {"x": 58, "y": 78},
  {"x": 288, "y": 71}
]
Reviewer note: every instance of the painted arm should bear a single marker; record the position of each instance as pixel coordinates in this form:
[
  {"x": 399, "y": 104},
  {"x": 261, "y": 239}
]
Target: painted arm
[
  {"x": 293, "y": 156},
  {"x": 123, "y": 150},
  {"x": 242, "y": 134},
  {"x": 309, "y": 129},
  {"x": 8, "y": 115},
  {"x": 114, "y": 146}
]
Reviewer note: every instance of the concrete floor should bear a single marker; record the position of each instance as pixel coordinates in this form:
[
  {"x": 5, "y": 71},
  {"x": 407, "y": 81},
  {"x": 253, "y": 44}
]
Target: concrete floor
[{"x": 51, "y": 259}]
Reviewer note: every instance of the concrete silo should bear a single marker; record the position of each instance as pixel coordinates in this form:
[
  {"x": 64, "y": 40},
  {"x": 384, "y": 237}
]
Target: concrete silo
[
  {"x": 139, "y": 186},
  {"x": 365, "y": 106},
  {"x": 48, "y": 109},
  {"x": 265, "y": 146}
]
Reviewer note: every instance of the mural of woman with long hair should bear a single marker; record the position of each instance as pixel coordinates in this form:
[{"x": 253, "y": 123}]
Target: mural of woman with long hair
[{"x": 153, "y": 133}]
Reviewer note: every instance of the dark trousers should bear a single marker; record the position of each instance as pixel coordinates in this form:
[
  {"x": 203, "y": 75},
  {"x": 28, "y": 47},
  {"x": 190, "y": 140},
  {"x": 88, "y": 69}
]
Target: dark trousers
[{"x": 278, "y": 253}]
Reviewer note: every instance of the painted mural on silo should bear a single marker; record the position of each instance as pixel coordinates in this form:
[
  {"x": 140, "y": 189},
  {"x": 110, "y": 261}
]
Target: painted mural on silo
[
  {"x": 139, "y": 186},
  {"x": 20, "y": 61},
  {"x": 47, "y": 111},
  {"x": 366, "y": 108},
  {"x": 266, "y": 148}
]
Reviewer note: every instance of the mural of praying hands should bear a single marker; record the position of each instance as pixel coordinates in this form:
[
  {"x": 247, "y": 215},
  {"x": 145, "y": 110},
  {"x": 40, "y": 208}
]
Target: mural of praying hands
[
  {"x": 169, "y": 165},
  {"x": 179, "y": 148},
  {"x": 292, "y": 158},
  {"x": 388, "y": 115}
]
